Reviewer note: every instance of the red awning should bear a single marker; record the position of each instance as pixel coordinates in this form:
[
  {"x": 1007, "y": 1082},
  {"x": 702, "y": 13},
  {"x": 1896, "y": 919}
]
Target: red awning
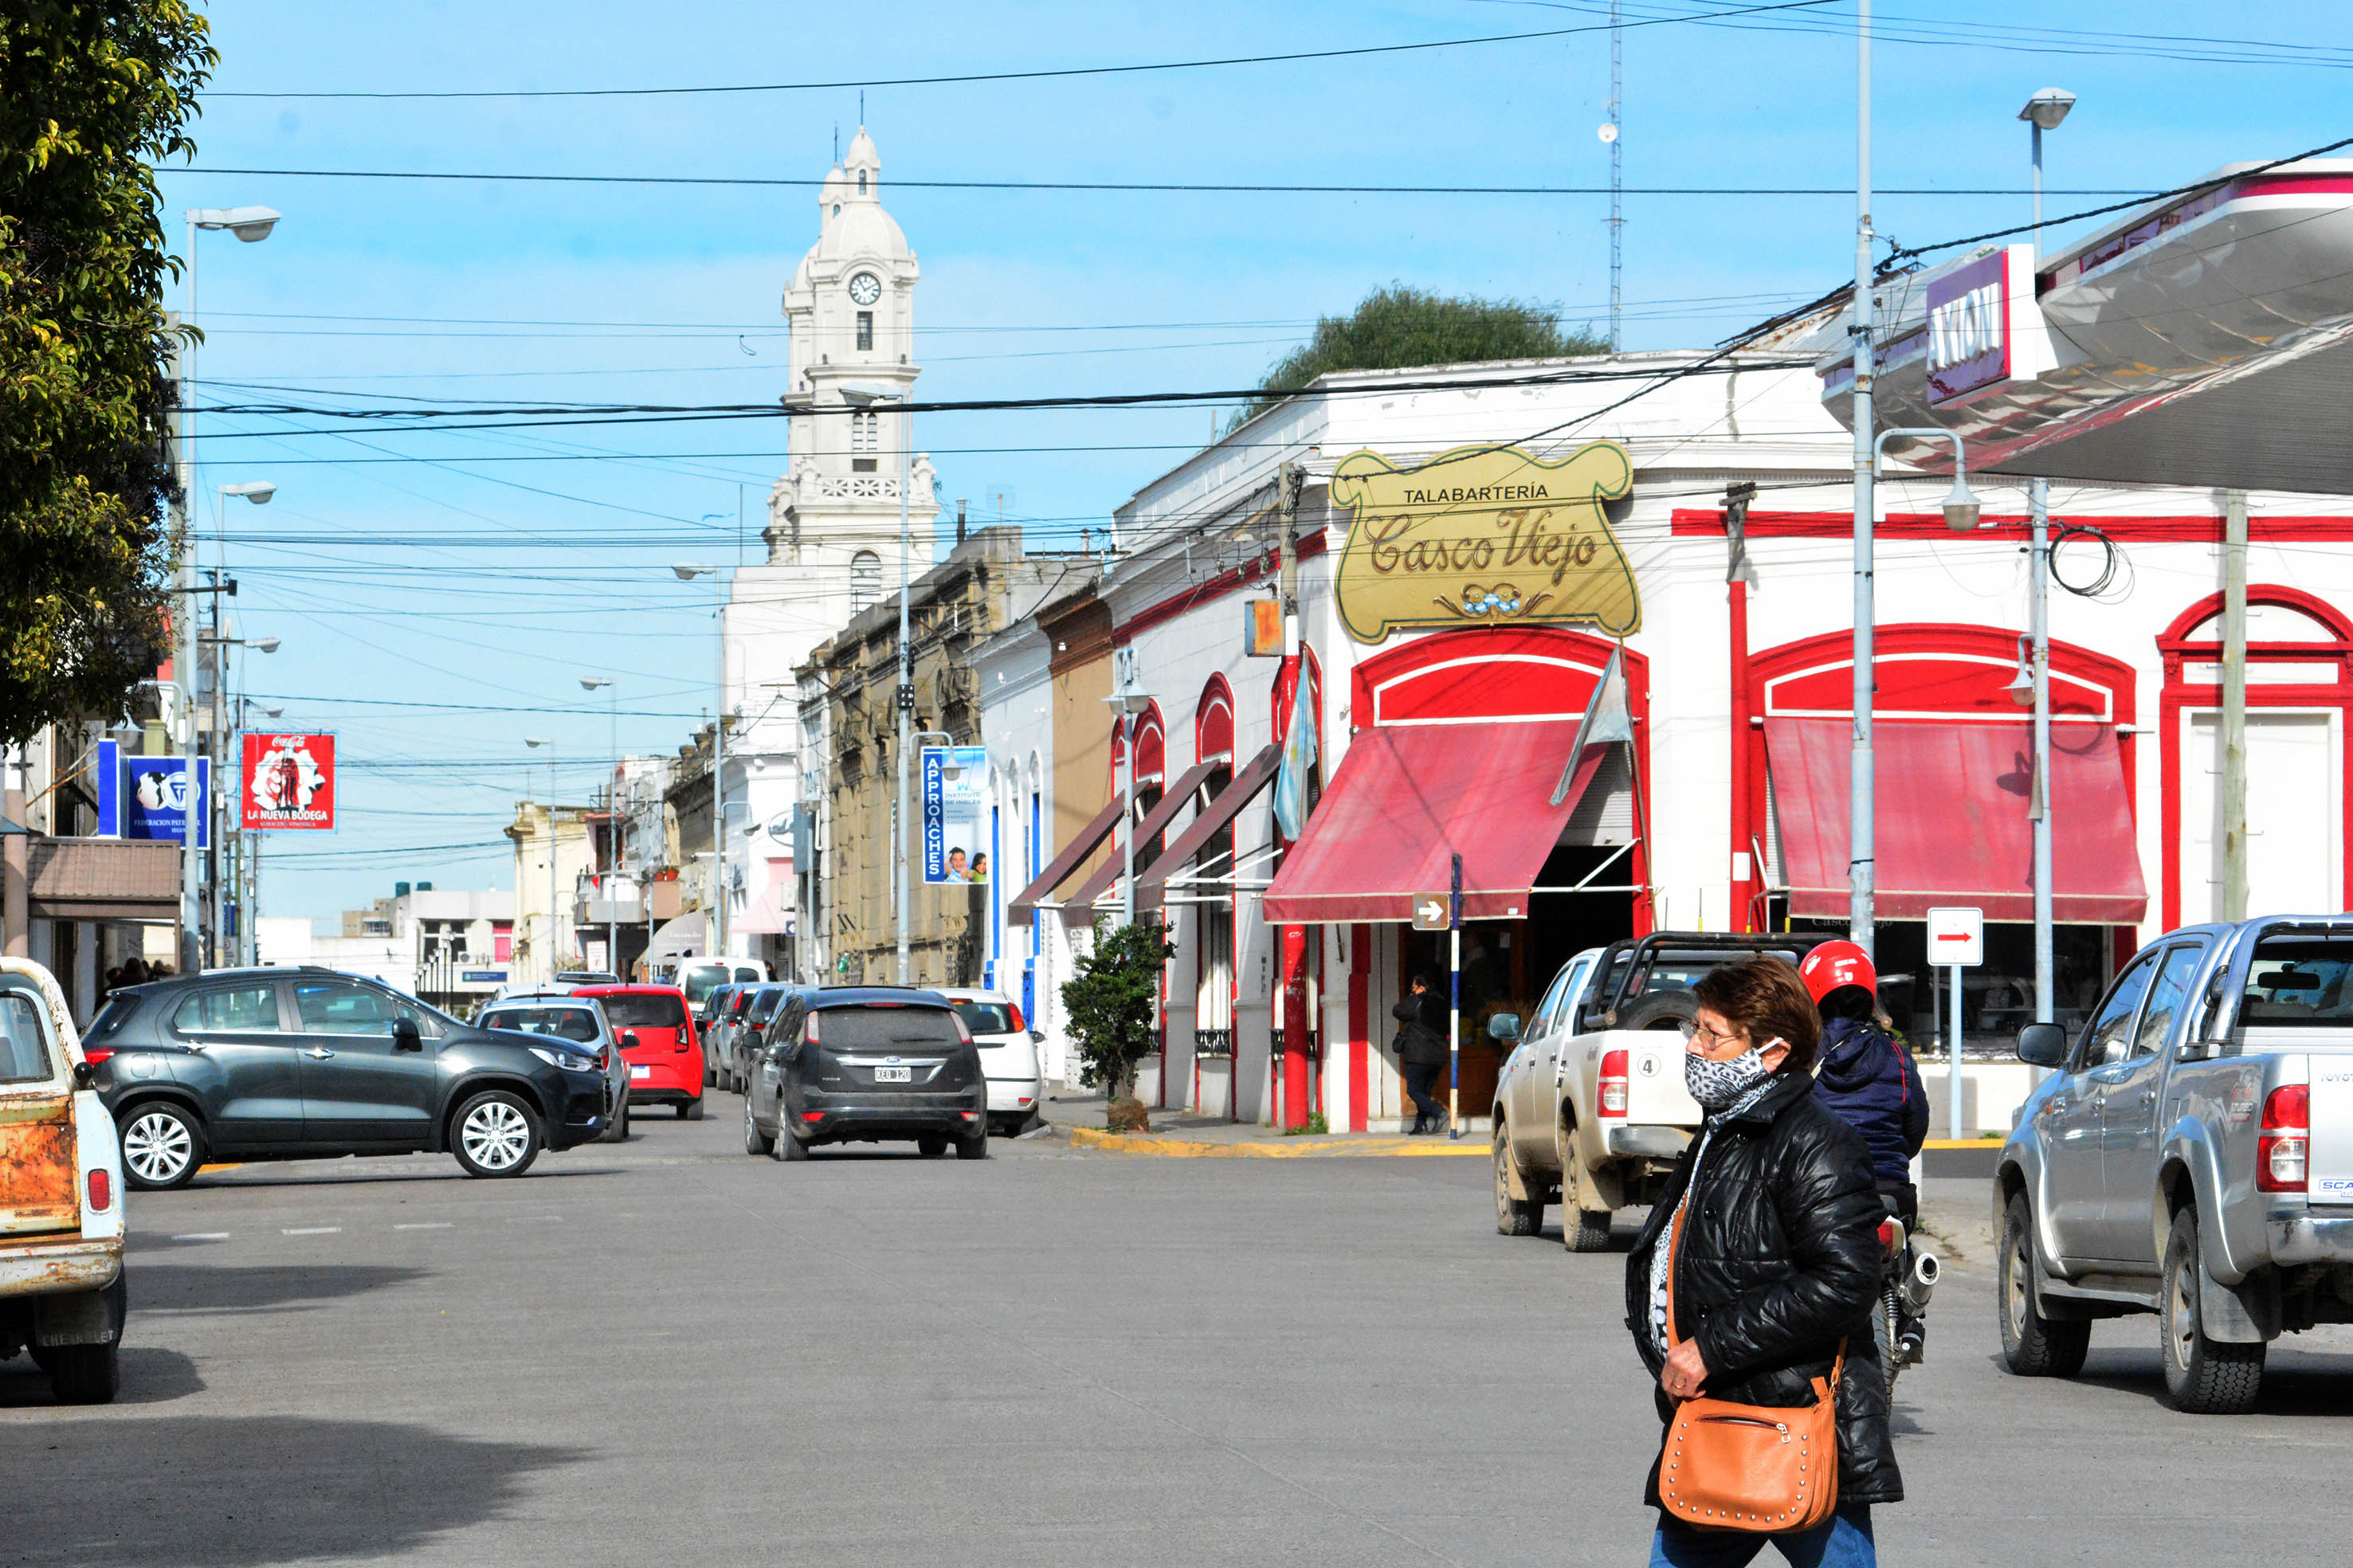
[
  {"x": 1097, "y": 829},
  {"x": 1151, "y": 887},
  {"x": 1406, "y": 798},
  {"x": 1155, "y": 821},
  {"x": 1952, "y": 823}
]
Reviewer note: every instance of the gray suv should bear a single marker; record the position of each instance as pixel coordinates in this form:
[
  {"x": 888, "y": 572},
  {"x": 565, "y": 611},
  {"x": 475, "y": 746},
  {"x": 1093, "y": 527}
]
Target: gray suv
[{"x": 291, "y": 1064}]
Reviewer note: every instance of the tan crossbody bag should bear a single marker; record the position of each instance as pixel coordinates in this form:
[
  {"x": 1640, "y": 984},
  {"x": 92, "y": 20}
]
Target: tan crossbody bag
[{"x": 1769, "y": 1468}]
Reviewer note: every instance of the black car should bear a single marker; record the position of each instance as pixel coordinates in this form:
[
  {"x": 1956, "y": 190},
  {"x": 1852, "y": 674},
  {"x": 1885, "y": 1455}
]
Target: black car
[
  {"x": 292, "y": 1064},
  {"x": 860, "y": 1064},
  {"x": 750, "y": 1030}
]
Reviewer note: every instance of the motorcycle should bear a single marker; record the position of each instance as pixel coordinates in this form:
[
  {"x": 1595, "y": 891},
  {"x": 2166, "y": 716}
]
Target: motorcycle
[{"x": 1907, "y": 1279}]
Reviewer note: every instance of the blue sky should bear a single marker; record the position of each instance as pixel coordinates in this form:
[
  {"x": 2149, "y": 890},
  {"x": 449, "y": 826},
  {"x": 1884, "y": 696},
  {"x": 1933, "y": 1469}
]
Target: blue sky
[{"x": 457, "y": 291}]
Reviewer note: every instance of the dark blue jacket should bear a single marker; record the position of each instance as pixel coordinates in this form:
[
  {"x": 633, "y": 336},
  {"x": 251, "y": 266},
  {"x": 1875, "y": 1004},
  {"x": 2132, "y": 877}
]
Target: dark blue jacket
[{"x": 1869, "y": 1083}]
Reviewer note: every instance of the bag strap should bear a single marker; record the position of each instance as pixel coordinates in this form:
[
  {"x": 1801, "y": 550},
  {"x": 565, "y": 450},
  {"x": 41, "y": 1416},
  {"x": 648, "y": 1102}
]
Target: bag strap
[{"x": 1674, "y": 1239}]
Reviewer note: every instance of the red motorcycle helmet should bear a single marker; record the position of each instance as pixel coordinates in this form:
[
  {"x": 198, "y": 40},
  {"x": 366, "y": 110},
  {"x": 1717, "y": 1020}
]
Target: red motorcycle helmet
[{"x": 1834, "y": 965}]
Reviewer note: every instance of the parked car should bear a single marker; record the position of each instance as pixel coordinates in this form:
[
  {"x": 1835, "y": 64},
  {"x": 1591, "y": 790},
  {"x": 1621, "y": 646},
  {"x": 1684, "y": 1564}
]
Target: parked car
[
  {"x": 697, "y": 976},
  {"x": 1008, "y": 1055},
  {"x": 862, "y": 1064},
  {"x": 567, "y": 1015},
  {"x": 747, "y": 1032},
  {"x": 289, "y": 1064},
  {"x": 719, "y": 1037},
  {"x": 1590, "y": 1110},
  {"x": 660, "y": 1043},
  {"x": 2190, "y": 1156},
  {"x": 578, "y": 977},
  {"x": 61, "y": 1287}
]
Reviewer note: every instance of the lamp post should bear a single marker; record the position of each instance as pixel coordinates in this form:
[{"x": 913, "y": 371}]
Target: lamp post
[
  {"x": 534, "y": 742},
  {"x": 250, "y": 224},
  {"x": 1130, "y": 702},
  {"x": 1862, "y": 822},
  {"x": 861, "y": 397},
  {"x": 250, "y": 895},
  {"x": 686, "y": 572},
  {"x": 612, "y": 819},
  {"x": 225, "y": 767},
  {"x": 2043, "y": 112}
]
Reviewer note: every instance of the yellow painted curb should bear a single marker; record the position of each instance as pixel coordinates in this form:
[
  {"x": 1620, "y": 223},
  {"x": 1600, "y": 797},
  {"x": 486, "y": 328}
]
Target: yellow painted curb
[
  {"x": 1994, "y": 1143},
  {"x": 1194, "y": 1149}
]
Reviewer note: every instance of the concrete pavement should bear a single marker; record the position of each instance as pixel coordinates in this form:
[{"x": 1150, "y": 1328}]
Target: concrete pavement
[{"x": 670, "y": 1352}]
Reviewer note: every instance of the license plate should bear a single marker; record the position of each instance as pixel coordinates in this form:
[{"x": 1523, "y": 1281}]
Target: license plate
[
  {"x": 894, "y": 1075},
  {"x": 642, "y": 1072}
]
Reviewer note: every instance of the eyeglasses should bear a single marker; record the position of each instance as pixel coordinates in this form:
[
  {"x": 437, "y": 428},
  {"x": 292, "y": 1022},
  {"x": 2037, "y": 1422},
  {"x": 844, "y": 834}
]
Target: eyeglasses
[{"x": 1708, "y": 1039}]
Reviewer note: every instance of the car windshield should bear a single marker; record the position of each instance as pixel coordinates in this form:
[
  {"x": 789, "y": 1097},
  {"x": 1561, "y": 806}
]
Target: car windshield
[
  {"x": 987, "y": 1017},
  {"x": 697, "y": 979},
  {"x": 563, "y": 1023},
  {"x": 886, "y": 1028},
  {"x": 2299, "y": 982},
  {"x": 645, "y": 1011},
  {"x": 24, "y": 1038}
]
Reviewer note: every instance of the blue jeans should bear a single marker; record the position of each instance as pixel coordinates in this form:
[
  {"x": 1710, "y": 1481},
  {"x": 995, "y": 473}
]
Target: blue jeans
[{"x": 1844, "y": 1543}]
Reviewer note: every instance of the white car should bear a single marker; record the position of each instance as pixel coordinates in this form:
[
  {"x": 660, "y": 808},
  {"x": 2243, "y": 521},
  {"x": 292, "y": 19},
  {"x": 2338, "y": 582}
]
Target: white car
[{"x": 1008, "y": 1055}]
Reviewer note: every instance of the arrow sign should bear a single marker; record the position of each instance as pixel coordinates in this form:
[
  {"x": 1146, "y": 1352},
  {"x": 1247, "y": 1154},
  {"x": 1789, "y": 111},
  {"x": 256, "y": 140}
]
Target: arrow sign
[{"x": 1429, "y": 912}]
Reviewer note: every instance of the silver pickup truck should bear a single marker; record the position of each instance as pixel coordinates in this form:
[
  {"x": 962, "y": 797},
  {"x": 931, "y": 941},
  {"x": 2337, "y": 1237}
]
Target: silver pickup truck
[
  {"x": 1590, "y": 1110},
  {"x": 2190, "y": 1156}
]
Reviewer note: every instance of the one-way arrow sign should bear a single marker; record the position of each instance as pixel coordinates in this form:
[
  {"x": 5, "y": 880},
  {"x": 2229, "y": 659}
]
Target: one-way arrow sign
[{"x": 1429, "y": 912}]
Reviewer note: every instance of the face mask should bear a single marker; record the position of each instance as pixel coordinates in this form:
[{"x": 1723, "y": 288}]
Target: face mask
[{"x": 1717, "y": 1084}]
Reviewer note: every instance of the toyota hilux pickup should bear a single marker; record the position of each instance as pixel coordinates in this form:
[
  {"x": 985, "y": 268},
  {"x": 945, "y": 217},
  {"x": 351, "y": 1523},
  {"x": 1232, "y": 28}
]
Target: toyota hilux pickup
[
  {"x": 2189, "y": 1155},
  {"x": 61, "y": 1289},
  {"x": 1590, "y": 1110}
]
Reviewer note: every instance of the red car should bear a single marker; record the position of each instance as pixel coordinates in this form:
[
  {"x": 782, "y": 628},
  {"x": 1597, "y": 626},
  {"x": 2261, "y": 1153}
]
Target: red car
[{"x": 666, "y": 1062}]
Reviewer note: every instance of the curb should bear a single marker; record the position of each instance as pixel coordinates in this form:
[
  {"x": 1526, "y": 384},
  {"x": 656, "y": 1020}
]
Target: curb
[
  {"x": 1993, "y": 1145},
  {"x": 1327, "y": 1149}
]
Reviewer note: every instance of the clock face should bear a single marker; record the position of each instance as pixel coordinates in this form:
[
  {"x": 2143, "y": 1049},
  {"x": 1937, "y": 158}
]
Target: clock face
[{"x": 866, "y": 287}]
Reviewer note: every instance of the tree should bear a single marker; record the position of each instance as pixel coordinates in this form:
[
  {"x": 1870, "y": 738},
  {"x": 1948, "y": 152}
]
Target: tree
[
  {"x": 1109, "y": 1004},
  {"x": 1399, "y": 327},
  {"x": 92, "y": 94}
]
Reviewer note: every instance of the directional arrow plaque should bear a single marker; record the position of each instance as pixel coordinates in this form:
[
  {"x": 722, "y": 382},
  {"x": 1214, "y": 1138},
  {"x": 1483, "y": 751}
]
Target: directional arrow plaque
[{"x": 1429, "y": 912}]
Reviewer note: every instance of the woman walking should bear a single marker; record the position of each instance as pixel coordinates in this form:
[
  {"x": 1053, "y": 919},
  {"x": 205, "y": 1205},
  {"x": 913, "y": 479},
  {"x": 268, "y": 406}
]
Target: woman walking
[{"x": 1754, "y": 1279}]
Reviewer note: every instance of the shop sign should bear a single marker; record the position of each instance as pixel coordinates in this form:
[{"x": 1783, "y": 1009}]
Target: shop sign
[
  {"x": 147, "y": 797},
  {"x": 1484, "y": 536},
  {"x": 290, "y": 781},
  {"x": 1984, "y": 326},
  {"x": 956, "y": 793}
]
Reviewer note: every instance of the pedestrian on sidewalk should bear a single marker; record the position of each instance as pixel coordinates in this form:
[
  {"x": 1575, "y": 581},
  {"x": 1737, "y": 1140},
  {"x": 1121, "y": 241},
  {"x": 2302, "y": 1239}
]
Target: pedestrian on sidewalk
[
  {"x": 1422, "y": 1050},
  {"x": 1774, "y": 1219}
]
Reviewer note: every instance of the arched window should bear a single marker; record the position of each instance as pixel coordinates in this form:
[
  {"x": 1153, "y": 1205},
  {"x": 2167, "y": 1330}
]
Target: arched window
[
  {"x": 865, "y": 580},
  {"x": 861, "y": 182},
  {"x": 865, "y": 432}
]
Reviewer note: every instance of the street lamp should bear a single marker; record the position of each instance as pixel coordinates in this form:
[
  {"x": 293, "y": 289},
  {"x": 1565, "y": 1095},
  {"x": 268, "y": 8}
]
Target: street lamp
[
  {"x": 2043, "y": 112},
  {"x": 1129, "y": 704},
  {"x": 861, "y": 394},
  {"x": 686, "y": 572},
  {"x": 226, "y": 767},
  {"x": 248, "y": 900},
  {"x": 534, "y": 742},
  {"x": 1961, "y": 506},
  {"x": 612, "y": 819}
]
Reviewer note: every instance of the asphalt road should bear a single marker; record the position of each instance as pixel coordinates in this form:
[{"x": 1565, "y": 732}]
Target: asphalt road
[{"x": 667, "y": 1351}]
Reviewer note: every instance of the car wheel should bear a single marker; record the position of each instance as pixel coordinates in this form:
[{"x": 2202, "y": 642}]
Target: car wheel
[
  {"x": 1581, "y": 1229},
  {"x": 692, "y": 1110},
  {"x": 931, "y": 1148},
  {"x": 1513, "y": 1216},
  {"x": 975, "y": 1147},
  {"x": 2032, "y": 1344},
  {"x": 163, "y": 1147},
  {"x": 85, "y": 1374},
  {"x": 496, "y": 1135},
  {"x": 754, "y": 1140},
  {"x": 788, "y": 1148},
  {"x": 2205, "y": 1377}
]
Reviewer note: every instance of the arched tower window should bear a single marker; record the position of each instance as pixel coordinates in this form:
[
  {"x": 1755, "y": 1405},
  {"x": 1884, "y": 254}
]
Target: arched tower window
[
  {"x": 864, "y": 432},
  {"x": 865, "y": 578},
  {"x": 861, "y": 182}
]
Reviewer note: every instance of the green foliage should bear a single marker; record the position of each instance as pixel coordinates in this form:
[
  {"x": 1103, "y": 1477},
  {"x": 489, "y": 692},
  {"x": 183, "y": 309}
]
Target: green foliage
[
  {"x": 1316, "y": 1123},
  {"x": 1109, "y": 1004},
  {"x": 92, "y": 93},
  {"x": 1399, "y": 327}
]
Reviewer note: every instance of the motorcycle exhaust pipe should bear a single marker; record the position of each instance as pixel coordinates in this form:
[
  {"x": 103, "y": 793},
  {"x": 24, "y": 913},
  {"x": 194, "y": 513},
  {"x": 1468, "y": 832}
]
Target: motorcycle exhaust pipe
[{"x": 1921, "y": 1283}]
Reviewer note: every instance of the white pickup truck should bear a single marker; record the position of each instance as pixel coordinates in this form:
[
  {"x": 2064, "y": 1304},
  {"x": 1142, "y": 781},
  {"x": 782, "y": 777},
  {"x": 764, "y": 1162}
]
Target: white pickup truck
[
  {"x": 1590, "y": 1110},
  {"x": 2190, "y": 1156},
  {"x": 61, "y": 1291}
]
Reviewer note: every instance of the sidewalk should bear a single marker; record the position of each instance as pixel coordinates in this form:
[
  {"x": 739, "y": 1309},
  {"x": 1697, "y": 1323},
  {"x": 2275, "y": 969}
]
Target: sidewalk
[{"x": 1078, "y": 1116}]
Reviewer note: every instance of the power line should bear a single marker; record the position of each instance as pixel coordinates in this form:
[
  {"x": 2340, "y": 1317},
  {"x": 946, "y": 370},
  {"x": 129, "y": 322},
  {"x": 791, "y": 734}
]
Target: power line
[{"x": 1037, "y": 75}]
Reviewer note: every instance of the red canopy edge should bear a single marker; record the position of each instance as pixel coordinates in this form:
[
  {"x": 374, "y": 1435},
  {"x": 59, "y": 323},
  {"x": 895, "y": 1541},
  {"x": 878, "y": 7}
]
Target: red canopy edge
[
  {"x": 1407, "y": 797},
  {"x": 1151, "y": 887},
  {"x": 1952, "y": 820},
  {"x": 1053, "y": 877}
]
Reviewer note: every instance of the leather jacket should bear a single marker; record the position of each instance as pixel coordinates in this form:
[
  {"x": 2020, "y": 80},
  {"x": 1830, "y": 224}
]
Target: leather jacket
[{"x": 1780, "y": 1259}]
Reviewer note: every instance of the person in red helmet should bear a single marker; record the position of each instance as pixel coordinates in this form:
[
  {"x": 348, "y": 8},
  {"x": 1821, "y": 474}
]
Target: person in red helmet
[{"x": 1864, "y": 1075}]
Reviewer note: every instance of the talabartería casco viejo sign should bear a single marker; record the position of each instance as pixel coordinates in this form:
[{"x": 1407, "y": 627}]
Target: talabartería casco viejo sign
[{"x": 1484, "y": 536}]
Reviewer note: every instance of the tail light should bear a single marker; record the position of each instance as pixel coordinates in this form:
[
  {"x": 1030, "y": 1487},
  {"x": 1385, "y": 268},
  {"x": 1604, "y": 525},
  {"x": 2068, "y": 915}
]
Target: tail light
[
  {"x": 809, "y": 1034},
  {"x": 812, "y": 1116},
  {"x": 2283, "y": 1144},
  {"x": 964, "y": 1030},
  {"x": 1613, "y": 1083},
  {"x": 102, "y": 1191},
  {"x": 94, "y": 1055},
  {"x": 1020, "y": 1023}
]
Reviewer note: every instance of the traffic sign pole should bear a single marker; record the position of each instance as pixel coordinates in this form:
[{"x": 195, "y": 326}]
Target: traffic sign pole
[
  {"x": 1454, "y": 1006},
  {"x": 1956, "y": 941}
]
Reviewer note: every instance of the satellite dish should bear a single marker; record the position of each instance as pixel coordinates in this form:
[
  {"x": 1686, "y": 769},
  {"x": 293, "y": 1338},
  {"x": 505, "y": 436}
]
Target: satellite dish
[{"x": 1608, "y": 133}]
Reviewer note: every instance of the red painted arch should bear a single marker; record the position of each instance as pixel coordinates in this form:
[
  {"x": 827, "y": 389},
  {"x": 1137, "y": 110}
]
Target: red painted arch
[
  {"x": 1213, "y": 721},
  {"x": 2182, "y": 695}
]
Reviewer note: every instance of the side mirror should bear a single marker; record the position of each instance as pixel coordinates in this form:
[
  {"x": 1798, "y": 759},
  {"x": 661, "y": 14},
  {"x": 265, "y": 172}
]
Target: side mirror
[
  {"x": 2041, "y": 1045},
  {"x": 1504, "y": 1027},
  {"x": 627, "y": 1039},
  {"x": 1037, "y": 1037},
  {"x": 406, "y": 1035}
]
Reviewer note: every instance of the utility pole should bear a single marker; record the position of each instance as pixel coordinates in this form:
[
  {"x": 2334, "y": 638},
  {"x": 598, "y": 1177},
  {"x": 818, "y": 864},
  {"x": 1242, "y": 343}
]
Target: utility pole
[
  {"x": 2043, "y": 112},
  {"x": 906, "y": 692},
  {"x": 1612, "y": 133},
  {"x": 1289, "y": 482},
  {"x": 1861, "y": 825},
  {"x": 184, "y": 658},
  {"x": 2234, "y": 705}
]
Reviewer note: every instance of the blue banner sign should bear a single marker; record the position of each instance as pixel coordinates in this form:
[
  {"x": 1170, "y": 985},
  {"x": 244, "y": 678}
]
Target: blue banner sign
[{"x": 146, "y": 797}]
